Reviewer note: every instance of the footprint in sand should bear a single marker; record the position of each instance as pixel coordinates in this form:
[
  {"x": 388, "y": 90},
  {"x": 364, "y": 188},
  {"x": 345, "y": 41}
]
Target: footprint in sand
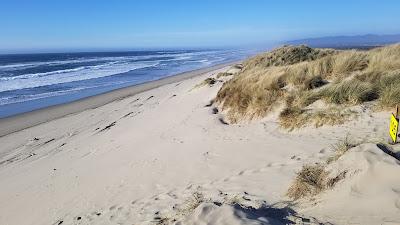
[
  {"x": 96, "y": 213},
  {"x": 214, "y": 110},
  {"x": 134, "y": 101},
  {"x": 397, "y": 203}
]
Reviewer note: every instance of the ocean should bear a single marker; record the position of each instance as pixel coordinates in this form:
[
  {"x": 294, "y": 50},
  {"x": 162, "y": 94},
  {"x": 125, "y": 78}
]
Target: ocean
[{"x": 34, "y": 81}]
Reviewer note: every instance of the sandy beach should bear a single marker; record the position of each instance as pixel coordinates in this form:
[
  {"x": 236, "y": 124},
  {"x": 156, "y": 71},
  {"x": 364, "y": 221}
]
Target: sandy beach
[{"x": 161, "y": 153}]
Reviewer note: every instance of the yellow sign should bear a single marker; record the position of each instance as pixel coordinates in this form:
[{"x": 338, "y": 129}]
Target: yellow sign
[{"x": 394, "y": 126}]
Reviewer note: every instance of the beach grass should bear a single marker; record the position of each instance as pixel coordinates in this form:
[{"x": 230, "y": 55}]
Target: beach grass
[{"x": 292, "y": 78}]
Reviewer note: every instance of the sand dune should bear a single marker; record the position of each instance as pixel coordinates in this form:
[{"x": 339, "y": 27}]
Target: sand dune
[{"x": 163, "y": 156}]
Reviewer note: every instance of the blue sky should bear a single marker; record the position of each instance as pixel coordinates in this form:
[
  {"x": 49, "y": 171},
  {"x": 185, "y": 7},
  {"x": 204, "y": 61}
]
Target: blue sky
[{"x": 105, "y": 24}]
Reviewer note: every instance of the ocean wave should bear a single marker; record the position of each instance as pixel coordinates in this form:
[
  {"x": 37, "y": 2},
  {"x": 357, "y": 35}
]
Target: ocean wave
[
  {"x": 20, "y": 66},
  {"x": 70, "y": 75},
  {"x": 32, "y": 75},
  {"x": 18, "y": 99},
  {"x": 179, "y": 56}
]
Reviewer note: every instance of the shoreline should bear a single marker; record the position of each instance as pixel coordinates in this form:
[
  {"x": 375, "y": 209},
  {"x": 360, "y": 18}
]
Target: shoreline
[{"x": 26, "y": 120}]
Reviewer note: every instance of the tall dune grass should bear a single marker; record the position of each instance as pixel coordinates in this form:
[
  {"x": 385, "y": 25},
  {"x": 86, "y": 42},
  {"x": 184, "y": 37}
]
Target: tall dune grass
[{"x": 298, "y": 76}]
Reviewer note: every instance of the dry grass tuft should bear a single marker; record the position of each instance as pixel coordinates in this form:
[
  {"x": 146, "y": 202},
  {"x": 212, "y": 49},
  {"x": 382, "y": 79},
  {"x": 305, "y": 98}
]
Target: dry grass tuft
[
  {"x": 210, "y": 81},
  {"x": 313, "y": 179},
  {"x": 331, "y": 116},
  {"x": 349, "y": 92},
  {"x": 310, "y": 180},
  {"x": 348, "y": 62},
  {"x": 251, "y": 94},
  {"x": 191, "y": 204},
  {"x": 390, "y": 96},
  {"x": 341, "y": 148},
  {"x": 295, "y": 117},
  {"x": 185, "y": 209},
  {"x": 389, "y": 90}
]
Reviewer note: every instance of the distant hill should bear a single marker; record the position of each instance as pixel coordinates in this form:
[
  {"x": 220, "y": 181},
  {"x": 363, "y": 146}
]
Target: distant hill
[{"x": 358, "y": 41}]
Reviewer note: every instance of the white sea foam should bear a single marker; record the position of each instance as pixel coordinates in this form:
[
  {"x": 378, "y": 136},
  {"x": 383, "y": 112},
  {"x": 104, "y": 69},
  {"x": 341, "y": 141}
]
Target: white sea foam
[
  {"x": 19, "y": 66},
  {"x": 106, "y": 66},
  {"x": 70, "y": 75},
  {"x": 25, "y": 98}
]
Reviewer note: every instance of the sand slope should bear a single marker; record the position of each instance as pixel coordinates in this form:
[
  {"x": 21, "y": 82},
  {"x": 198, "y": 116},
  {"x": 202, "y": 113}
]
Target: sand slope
[{"x": 163, "y": 156}]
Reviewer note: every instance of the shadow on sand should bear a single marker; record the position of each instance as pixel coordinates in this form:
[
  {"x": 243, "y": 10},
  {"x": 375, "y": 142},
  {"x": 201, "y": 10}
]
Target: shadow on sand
[
  {"x": 388, "y": 150},
  {"x": 274, "y": 215}
]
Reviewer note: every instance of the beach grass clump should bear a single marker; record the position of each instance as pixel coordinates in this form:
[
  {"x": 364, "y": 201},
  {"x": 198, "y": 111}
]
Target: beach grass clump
[
  {"x": 251, "y": 94},
  {"x": 341, "y": 147},
  {"x": 389, "y": 88},
  {"x": 389, "y": 97},
  {"x": 294, "y": 117},
  {"x": 312, "y": 179},
  {"x": 331, "y": 116},
  {"x": 301, "y": 98},
  {"x": 384, "y": 59},
  {"x": 192, "y": 203},
  {"x": 210, "y": 81},
  {"x": 298, "y": 73},
  {"x": 349, "y": 92},
  {"x": 309, "y": 181},
  {"x": 348, "y": 62}
]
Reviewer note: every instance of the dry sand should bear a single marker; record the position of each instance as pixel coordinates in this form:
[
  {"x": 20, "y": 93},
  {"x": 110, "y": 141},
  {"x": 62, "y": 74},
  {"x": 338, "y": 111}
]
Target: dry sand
[{"x": 163, "y": 156}]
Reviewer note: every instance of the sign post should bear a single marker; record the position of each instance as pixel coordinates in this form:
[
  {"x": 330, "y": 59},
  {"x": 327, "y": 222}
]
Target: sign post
[{"x": 394, "y": 126}]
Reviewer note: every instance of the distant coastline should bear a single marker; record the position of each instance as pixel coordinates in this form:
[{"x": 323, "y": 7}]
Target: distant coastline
[{"x": 365, "y": 42}]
